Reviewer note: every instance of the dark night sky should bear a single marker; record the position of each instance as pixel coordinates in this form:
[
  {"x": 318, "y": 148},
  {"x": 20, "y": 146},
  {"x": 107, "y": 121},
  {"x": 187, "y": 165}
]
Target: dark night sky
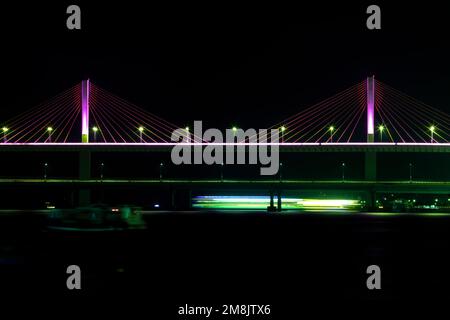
[{"x": 223, "y": 63}]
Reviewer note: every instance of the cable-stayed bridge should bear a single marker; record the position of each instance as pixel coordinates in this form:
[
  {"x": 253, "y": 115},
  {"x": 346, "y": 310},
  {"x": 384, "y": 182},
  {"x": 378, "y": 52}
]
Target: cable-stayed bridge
[
  {"x": 87, "y": 113},
  {"x": 368, "y": 117}
]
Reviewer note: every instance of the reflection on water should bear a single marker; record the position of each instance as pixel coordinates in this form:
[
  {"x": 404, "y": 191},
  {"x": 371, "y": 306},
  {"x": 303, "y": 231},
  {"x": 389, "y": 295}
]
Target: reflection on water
[{"x": 203, "y": 255}]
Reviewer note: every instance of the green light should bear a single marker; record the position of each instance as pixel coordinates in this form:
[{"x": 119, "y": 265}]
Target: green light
[
  {"x": 234, "y": 129},
  {"x": 327, "y": 203},
  {"x": 332, "y": 128},
  {"x": 187, "y": 129},
  {"x": 5, "y": 129},
  {"x": 434, "y": 214},
  {"x": 432, "y": 128},
  {"x": 261, "y": 202},
  {"x": 384, "y": 214},
  {"x": 95, "y": 129},
  {"x": 381, "y": 128},
  {"x": 141, "y": 129},
  {"x": 283, "y": 128},
  {"x": 49, "y": 129}
]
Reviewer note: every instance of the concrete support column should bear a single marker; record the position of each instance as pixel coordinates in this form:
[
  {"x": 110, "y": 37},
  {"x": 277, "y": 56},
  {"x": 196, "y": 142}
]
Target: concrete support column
[
  {"x": 179, "y": 198},
  {"x": 371, "y": 198},
  {"x": 279, "y": 200},
  {"x": 370, "y": 166},
  {"x": 189, "y": 199},
  {"x": 271, "y": 205},
  {"x": 173, "y": 194},
  {"x": 84, "y": 173}
]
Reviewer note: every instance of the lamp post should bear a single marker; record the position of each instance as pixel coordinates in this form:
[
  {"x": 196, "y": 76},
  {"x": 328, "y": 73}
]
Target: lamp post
[
  {"x": 381, "y": 129},
  {"x": 280, "y": 173},
  {"x": 343, "y": 171},
  {"x": 432, "y": 129},
  {"x": 49, "y": 130},
  {"x": 234, "y": 133},
  {"x": 141, "y": 130},
  {"x": 410, "y": 171},
  {"x": 102, "y": 166},
  {"x": 282, "y": 129},
  {"x": 331, "y": 133},
  {"x": 161, "y": 165},
  {"x": 221, "y": 172},
  {"x": 95, "y": 129},
  {"x": 45, "y": 170},
  {"x": 5, "y": 131},
  {"x": 187, "y": 134}
]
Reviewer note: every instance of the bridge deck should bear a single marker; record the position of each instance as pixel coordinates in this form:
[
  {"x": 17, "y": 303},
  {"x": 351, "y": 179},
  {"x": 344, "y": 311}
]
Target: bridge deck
[
  {"x": 284, "y": 147},
  {"x": 442, "y": 187}
]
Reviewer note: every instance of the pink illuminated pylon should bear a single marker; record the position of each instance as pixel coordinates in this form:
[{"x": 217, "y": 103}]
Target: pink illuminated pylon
[
  {"x": 370, "y": 108},
  {"x": 85, "y": 111}
]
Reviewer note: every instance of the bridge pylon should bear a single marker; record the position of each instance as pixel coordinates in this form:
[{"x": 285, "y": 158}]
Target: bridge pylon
[
  {"x": 370, "y": 108},
  {"x": 84, "y": 195},
  {"x": 370, "y": 166},
  {"x": 85, "y": 111}
]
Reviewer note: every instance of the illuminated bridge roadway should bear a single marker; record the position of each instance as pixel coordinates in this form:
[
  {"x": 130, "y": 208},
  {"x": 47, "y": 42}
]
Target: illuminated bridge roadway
[
  {"x": 440, "y": 187},
  {"x": 284, "y": 147}
]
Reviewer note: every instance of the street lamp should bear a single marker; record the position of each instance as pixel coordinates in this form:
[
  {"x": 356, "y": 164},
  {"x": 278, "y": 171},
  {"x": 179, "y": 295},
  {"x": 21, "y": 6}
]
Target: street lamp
[
  {"x": 5, "y": 130},
  {"x": 49, "y": 130},
  {"x": 187, "y": 134},
  {"x": 343, "y": 171},
  {"x": 410, "y": 172},
  {"x": 381, "y": 129},
  {"x": 234, "y": 132},
  {"x": 432, "y": 129},
  {"x": 102, "y": 166},
  {"x": 280, "y": 173},
  {"x": 331, "y": 133},
  {"x": 141, "y": 130},
  {"x": 161, "y": 165},
  {"x": 221, "y": 172},
  {"x": 95, "y": 129},
  {"x": 45, "y": 170},
  {"x": 282, "y": 129}
]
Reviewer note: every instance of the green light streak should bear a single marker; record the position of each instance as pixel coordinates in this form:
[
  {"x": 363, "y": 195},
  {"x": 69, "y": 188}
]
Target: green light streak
[
  {"x": 434, "y": 214},
  {"x": 384, "y": 214},
  {"x": 262, "y": 202}
]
